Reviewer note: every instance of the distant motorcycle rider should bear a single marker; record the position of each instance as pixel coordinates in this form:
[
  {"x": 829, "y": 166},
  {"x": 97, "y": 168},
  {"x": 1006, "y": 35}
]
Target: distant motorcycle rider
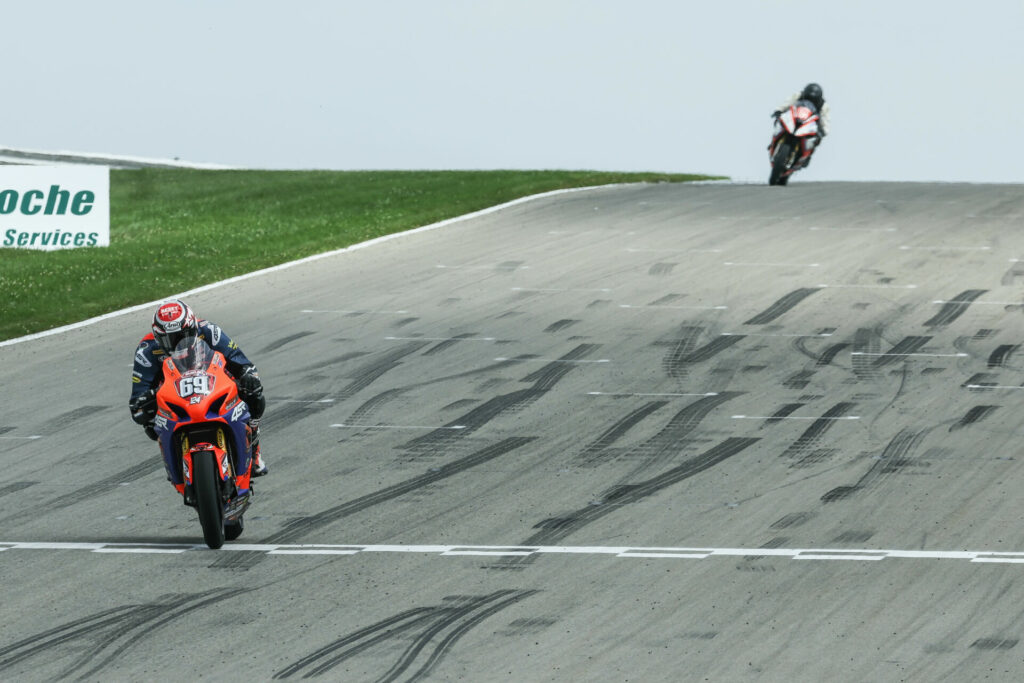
[
  {"x": 812, "y": 93},
  {"x": 172, "y": 322}
]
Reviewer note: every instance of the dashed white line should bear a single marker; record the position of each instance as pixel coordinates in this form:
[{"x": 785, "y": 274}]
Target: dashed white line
[
  {"x": 621, "y": 552},
  {"x": 439, "y": 338},
  {"x": 34, "y": 436},
  {"x": 625, "y": 394},
  {"x": 991, "y": 386},
  {"x": 906, "y": 247},
  {"x": 983, "y": 303},
  {"x": 775, "y": 265},
  {"x": 871, "y": 286},
  {"x": 701, "y": 308},
  {"x": 348, "y": 426},
  {"x": 791, "y": 417},
  {"x": 773, "y": 334},
  {"x": 552, "y": 360},
  {"x": 308, "y": 310},
  {"x": 555, "y": 289},
  {"x": 668, "y": 250},
  {"x": 814, "y": 227},
  {"x": 496, "y": 266},
  {"x": 295, "y": 400},
  {"x": 927, "y": 355}
]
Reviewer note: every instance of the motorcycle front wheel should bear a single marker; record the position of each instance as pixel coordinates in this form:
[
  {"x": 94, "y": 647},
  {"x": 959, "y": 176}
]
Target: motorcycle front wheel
[
  {"x": 207, "y": 487},
  {"x": 780, "y": 164}
]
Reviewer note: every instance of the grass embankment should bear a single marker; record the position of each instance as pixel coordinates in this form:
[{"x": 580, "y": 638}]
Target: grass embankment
[{"x": 173, "y": 230}]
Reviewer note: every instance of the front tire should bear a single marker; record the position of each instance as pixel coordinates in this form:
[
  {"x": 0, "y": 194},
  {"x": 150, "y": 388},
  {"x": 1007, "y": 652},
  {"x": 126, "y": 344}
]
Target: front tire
[
  {"x": 780, "y": 164},
  {"x": 206, "y": 481},
  {"x": 233, "y": 530}
]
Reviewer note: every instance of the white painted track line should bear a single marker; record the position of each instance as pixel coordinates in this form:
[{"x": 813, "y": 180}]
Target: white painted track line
[{"x": 620, "y": 552}]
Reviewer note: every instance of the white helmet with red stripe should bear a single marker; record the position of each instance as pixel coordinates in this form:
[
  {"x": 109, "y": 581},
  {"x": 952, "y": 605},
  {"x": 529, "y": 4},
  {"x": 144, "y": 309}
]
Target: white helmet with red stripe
[{"x": 172, "y": 322}]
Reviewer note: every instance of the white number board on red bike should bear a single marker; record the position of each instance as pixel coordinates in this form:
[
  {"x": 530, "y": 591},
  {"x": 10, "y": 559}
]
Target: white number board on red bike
[{"x": 200, "y": 385}]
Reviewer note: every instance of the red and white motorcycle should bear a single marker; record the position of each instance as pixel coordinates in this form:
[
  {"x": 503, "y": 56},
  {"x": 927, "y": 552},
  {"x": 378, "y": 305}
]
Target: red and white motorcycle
[{"x": 793, "y": 141}]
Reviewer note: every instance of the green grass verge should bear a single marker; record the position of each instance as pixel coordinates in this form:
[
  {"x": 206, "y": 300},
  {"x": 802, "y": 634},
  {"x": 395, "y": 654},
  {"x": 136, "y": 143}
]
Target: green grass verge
[{"x": 172, "y": 230}]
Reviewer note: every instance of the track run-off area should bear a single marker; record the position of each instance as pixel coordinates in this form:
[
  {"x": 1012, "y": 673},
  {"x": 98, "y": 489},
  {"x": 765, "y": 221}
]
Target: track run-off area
[{"x": 646, "y": 432}]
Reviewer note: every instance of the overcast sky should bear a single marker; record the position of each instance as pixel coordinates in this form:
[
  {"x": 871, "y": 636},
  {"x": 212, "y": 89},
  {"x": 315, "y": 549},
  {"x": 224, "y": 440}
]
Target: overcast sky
[{"x": 919, "y": 90}]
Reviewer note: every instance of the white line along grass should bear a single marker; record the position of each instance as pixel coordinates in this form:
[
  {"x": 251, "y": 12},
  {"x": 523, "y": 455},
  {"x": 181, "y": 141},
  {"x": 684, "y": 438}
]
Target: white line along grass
[{"x": 308, "y": 259}]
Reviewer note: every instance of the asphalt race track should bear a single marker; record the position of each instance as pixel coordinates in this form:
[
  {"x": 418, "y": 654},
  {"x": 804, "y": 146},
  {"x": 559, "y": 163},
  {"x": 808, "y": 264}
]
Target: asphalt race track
[{"x": 640, "y": 433}]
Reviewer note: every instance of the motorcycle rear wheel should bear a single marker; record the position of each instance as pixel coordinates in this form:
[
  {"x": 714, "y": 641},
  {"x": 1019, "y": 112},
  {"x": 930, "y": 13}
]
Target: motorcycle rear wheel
[
  {"x": 205, "y": 479},
  {"x": 780, "y": 164}
]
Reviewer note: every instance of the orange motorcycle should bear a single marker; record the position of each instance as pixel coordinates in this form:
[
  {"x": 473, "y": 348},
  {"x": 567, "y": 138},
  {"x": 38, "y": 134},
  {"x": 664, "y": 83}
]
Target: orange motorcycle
[{"x": 203, "y": 431}]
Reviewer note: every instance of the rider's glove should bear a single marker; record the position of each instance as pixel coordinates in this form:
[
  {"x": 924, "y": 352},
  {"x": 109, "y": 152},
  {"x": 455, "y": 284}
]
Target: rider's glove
[
  {"x": 143, "y": 407},
  {"x": 777, "y": 113},
  {"x": 250, "y": 385}
]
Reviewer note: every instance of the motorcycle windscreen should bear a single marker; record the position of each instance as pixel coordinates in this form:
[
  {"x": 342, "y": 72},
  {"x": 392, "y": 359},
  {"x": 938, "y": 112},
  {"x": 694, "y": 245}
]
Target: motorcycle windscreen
[
  {"x": 808, "y": 129},
  {"x": 191, "y": 354}
]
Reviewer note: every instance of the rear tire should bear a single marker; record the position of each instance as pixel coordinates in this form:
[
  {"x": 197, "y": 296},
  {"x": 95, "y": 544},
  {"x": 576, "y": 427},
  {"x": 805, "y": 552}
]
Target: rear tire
[
  {"x": 233, "y": 530},
  {"x": 779, "y": 164},
  {"x": 206, "y": 481}
]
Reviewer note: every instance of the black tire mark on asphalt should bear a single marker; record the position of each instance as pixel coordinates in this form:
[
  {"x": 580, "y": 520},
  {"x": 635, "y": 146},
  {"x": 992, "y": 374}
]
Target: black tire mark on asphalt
[
  {"x": 448, "y": 621},
  {"x": 865, "y": 341},
  {"x": 448, "y": 343},
  {"x": 404, "y": 321},
  {"x": 975, "y": 414},
  {"x": 791, "y": 520},
  {"x": 997, "y": 643},
  {"x": 1011, "y": 275},
  {"x": 299, "y": 527},
  {"x": 68, "y": 419},
  {"x": 150, "y": 465},
  {"x": 1001, "y": 355},
  {"x": 906, "y": 346},
  {"x": 799, "y": 380},
  {"x": 377, "y": 368},
  {"x": 813, "y": 434},
  {"x": 661, "y": 269},
  {"x": 560, "y": 325},
  {"x": 274, "y": 346},
  {"x": 667, "y": 299},
  {"x": 829, "y": 354},
  {"x": 508, "y": 266},
  {"x": 894, "y": 458},
  {"x": 954, "y": 308},
  {"x": 377, "y": 401},
  {"x": 16, "y": 486},
  {"x": 595, "y": 452},
  {"x": 782, "y": 306},
  {"x": 552, "y": 531},
  {"x": 669, "y": 442},
  {"x": 680, "y": 348},
  {"x": 782, "y": 412},
  {"x": 543, "y": 380},
  {"x": 676, "y": 362},
  {"x": 343, "y": 358},
  {"x": 372, "y": 404},
  {"x": 984, "y": 379},
  {"x": 102, "y": 637},
  {"x": 461, "y": 403}
]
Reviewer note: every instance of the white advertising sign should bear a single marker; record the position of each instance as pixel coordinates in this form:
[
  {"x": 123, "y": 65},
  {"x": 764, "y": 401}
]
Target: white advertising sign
[{"x": 54, "y": 207}]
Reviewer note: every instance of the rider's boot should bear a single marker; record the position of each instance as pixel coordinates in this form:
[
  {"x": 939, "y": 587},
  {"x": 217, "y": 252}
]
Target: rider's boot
[{"x": 259, "y": 465}]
